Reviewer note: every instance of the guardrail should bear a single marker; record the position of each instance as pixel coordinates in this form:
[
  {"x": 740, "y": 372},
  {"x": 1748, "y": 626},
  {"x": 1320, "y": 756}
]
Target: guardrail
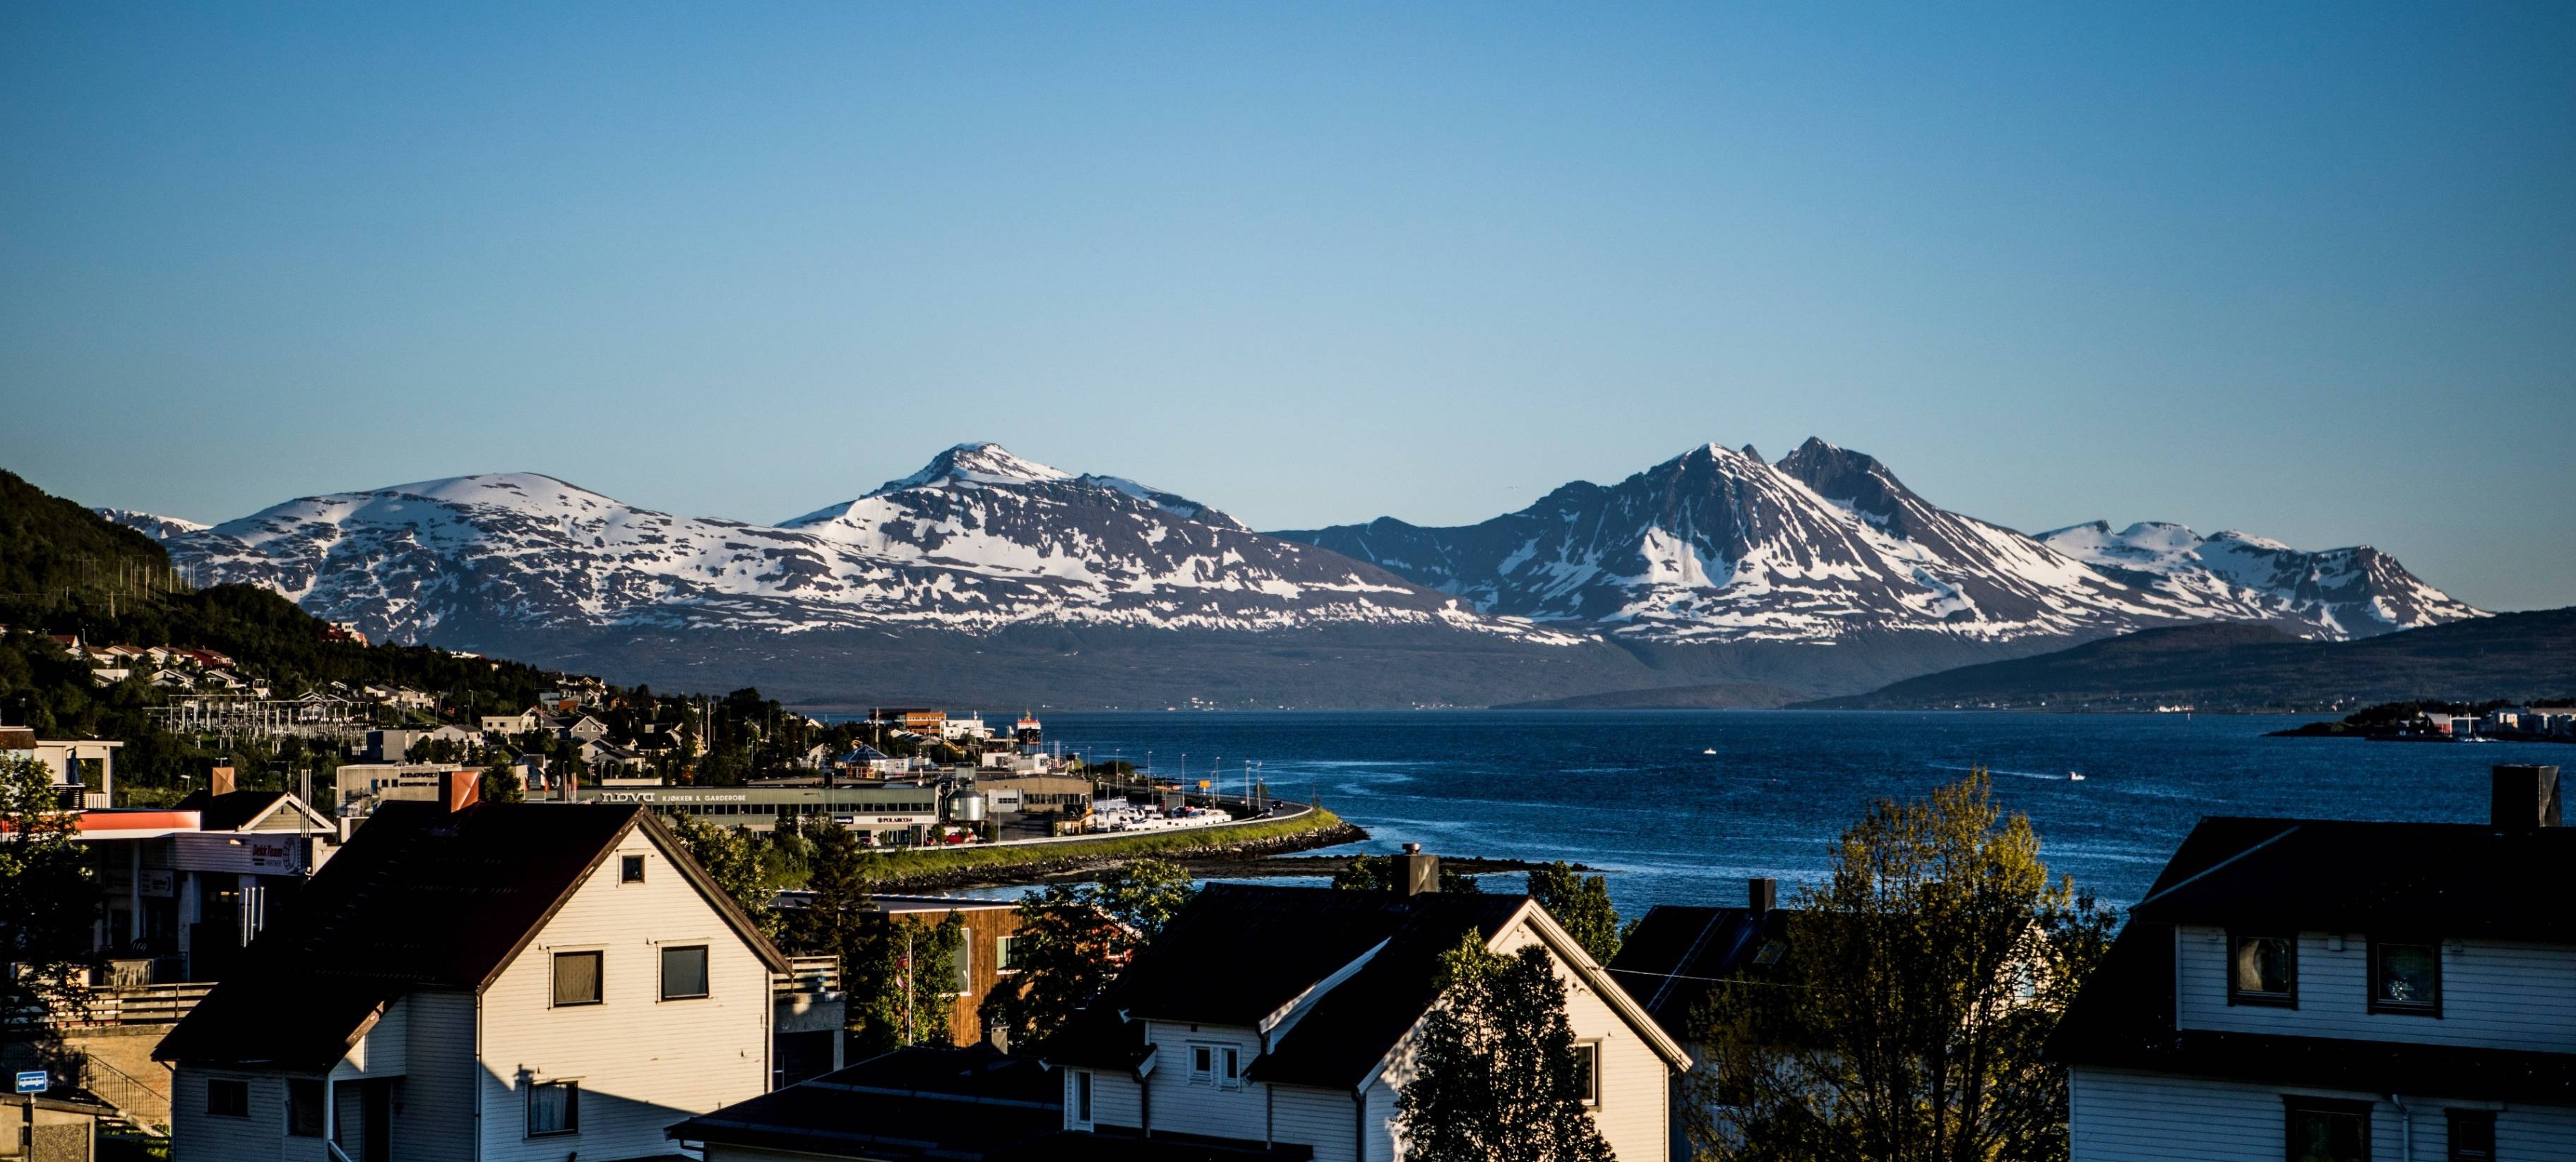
[
  {"x": 152, "y": 1004},
  {"x": 808, "y": 974}
]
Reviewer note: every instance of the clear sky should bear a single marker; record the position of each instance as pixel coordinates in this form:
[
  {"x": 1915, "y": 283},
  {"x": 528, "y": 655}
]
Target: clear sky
[{"x": 2308, "y": 271}]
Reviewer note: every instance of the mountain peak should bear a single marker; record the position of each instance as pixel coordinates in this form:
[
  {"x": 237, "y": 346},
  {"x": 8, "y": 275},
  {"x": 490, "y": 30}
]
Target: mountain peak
[{"x": 980, "y": 463}]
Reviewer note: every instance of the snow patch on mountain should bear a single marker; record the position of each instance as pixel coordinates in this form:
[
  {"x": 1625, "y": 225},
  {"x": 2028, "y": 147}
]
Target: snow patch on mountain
[
  {"x": 979, "y": 540},
  {"x": 157, "y": 527},
  {"x": 1715, "y": 545}
]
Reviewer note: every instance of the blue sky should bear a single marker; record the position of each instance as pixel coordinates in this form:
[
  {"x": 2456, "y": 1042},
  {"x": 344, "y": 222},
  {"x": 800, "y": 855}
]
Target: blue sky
[{"x": 2308, "y": 271}]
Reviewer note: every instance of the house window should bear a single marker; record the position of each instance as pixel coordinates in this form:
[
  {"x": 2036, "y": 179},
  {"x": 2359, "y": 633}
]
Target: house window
[
  {"x": 1230, "y": 1069},
  {"x": 554, "y": 1107},
  {"x": 2326, "y": 1131},
  {"x": 2405, "y": 978},
  {"x": 577, "y": 978},
  {"x": 684, "y": 972},
  {"x": 2264, "y": 971},
  {"x": 2472, "y": 1135},
  {"x": 1202, "y": 1063},
  {"x": 1082, "y": 1099},
  {"x": 227, "y": 1097},
  {"x": 1004, "y": 958},
  {"x": 1587, "y": 1072},
  {"x": 304, "y": 1107},
  {"x": 630, "y": 869}
]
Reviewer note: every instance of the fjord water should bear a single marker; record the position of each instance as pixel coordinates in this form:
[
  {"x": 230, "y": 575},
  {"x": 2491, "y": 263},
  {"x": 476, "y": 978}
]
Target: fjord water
[{"x": 1632, "y": 794}]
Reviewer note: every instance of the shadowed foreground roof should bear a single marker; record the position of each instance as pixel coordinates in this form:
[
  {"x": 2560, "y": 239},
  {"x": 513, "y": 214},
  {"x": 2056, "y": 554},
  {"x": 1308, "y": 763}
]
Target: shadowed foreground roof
[
  {"x": 418, "y": 898},
  {"x": 2461, "y": 879},
  {"x": 911, "y": 1103},
  {"x": 1240, "y": 953}
]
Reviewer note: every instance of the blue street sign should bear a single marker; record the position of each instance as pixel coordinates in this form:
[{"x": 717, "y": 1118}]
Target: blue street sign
[{"x": 33, "y": 1081}]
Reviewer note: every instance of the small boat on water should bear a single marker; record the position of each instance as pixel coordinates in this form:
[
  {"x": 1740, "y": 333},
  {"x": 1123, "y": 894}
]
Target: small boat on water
[
  {"x": 2075, "y": 776},
  {"x": 1711, "y": 750}
]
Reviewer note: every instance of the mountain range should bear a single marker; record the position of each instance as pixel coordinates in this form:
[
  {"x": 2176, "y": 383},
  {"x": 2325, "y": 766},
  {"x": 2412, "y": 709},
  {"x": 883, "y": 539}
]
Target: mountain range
[{"x": 986, "y": 576}]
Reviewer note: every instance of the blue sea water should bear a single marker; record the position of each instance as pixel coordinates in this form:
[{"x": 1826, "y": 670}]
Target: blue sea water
[{"x": 1632, "y": 793}]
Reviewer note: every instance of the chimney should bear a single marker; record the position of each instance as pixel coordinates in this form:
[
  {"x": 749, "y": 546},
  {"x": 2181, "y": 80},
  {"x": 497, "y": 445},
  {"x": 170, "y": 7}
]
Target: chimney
[
  {"x": 219, "y": 781},
  {"x": 1421, "y": 872},
  {"x": 459, "y": 790},
  {"x": 2524, "y": 797},
  {"x": 1761, "y": 894}
]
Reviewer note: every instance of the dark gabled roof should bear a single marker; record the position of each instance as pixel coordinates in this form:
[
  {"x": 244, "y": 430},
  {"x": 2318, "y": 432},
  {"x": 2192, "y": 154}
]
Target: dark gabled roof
[
  {"x": 1240, "y": 953},
  {"x": 2452, "y": 879},
  {"x": 2124, "y": 1019},
  {"x": 1677, "y": 954},
  {"x": 1108, "y": 1145},
  {"x": 920, "y": 1102},
  {"x": 1340, "y": 1042},
  {"x": 419, "y": 899}
]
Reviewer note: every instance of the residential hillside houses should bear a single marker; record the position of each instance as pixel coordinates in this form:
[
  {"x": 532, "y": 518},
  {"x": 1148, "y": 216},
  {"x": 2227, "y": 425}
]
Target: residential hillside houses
[
  {"x": 2343, "y": 991},
  {"x": 83, "y": 769},
  {"x": 484, "y": 981}
]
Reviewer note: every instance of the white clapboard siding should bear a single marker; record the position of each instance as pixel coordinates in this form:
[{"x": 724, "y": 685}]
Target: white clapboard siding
[
  {"x": 383, "y": 1052},
  {"x": 2494, "y": 995},
  {"x": 1325, "y": 1119},
  {"x": 435, "y": 1122},
  {"x": 1636, "y": 1084},
  {"x": 197, "y": 1135},
  {"x": 2139, "y": 1117},
  {"x": 1203, "y": 1107},
  {"x": 1114, "y": 1095},
  {"x": 643, "y": 1063}
]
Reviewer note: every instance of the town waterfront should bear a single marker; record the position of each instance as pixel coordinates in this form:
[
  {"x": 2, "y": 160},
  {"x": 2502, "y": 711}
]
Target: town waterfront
[{"x": 1633, "y": 794}]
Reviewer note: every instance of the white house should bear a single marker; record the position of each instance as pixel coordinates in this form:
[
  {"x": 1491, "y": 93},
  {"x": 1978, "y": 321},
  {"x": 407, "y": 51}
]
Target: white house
[
  {"x": 482, "y": 981},
  {"x": 2333, "y": 991},
  {"x": 1266, "y": 1017}
]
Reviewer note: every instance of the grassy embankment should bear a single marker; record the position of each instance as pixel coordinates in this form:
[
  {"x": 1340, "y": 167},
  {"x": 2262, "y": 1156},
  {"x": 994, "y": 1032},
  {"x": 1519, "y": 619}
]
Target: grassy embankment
[{"x": 1007, "y": 861}]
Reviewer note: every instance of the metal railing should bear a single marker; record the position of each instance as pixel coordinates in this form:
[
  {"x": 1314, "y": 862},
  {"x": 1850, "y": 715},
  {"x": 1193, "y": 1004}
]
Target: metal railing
[
  {"x": 808, "y": 974},
  {"x": 130, "y": 1095}
]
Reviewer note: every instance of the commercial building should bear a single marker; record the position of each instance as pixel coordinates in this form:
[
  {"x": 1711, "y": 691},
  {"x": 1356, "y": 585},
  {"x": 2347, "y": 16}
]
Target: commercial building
[{"x": 888, "y": 814}]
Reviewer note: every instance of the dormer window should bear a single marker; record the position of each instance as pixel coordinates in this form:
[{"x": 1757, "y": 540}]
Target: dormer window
[
  {"x": 2405, "y": 978},
  {"x": 2264, "y": 970}
]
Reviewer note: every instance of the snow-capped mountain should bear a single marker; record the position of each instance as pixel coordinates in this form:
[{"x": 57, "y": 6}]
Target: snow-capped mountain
[
  {"x": 2343, "y": 593},
  {"x": 159, "y": 528},
  {"x": 1715, "y": 545},
  {"x": 976, "y": 541}
]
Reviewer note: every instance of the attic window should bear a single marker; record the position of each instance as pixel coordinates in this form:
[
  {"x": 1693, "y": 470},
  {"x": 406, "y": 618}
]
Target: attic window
[
  {"x": 1587, "y": 1072},
  {"x": 2264, "y": 970},
  {"x": 630, "y": 869}
]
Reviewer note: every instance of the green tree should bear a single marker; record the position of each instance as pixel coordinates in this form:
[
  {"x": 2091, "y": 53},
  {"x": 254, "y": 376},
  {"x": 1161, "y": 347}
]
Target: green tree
[
  {"x": 726, "y": 854},
  {"x": 500, "y": 784},
  {"x": 1496, "y": 1078},
  {"x": 906, "y": 992},
  {"x": 1144, "y": 895},
  {"x": 1905, "y": 1021},
  {"x": 834, "y": 921},
  {"x": 48, "y": 898},
  {"x": 1581, "y": 904},
  {"x": 1071, "y": 940}
]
